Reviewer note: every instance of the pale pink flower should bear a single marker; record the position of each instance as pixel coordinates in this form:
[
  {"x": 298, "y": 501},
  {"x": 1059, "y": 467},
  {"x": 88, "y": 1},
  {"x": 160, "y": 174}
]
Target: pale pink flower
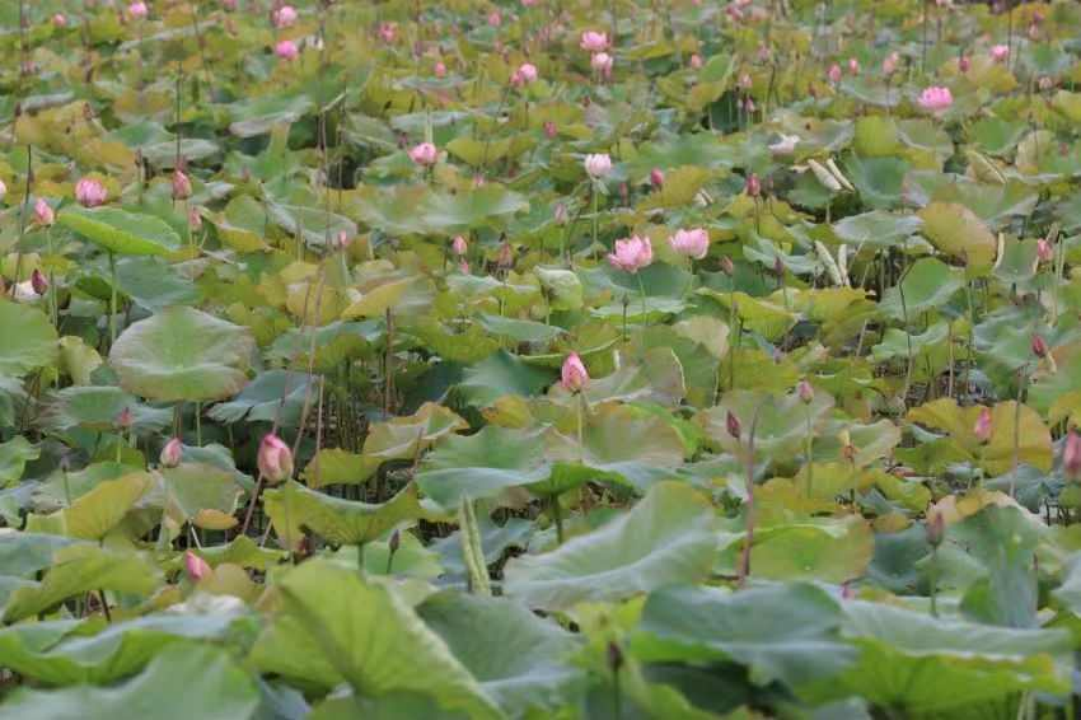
[
  {"x": 834, "y": 73},
  {"x": 1071, "y": 455},
  {"x": 999, "y": 53},
  {"x": 529, "y": 3},
  {"x": 752, "y": 185},
  {"x": 229, "y": 5},
  {"x": 459, "y": 245},
  {"x": 388, "y": 32},
  {"x": 60, "y": 20},
  {"x": 196, "y": 567},
  {"x": 525, "y": 74},
  {"x": 593, "y": 41},
  {"x": 287, "y": 50},
  {"x": 495, "y": 18},
  {"x": 43, "y": 213},
  {"x": 440, "y": 70},
  {"x": 632, "y": 254},
  {"x": 275, "y": 459},
  {"x": 90, "y": 193},
  {"x": 598, "y": 166},
  {"x": 195, "y": 219},
  {"x": 550, "y": 130},
  {"x": 696, "y": 62},
  {"x": 935, "y": 99},
  {"x": 1044, "y": 251},
  {"x": 424, "y": 154},
  {"x": 889, "y": 65},
  {"x": 3, "y": 190},
  {"x": 181, "y": 185},
  {"x": 982, "y": 429},
  {"x": 745, "y": 81},
  {"x": 853, "y": 66},
  {"x": 602, "y": 63},
  {"x": 573, "y": 375},
  {"x": 171, "y": 453},
  {"x": 284, "y": 16},
  {"x": 138, "y": 10},
  {"x": 656, "y": 178},
  {"x": 692, "y": 243}
]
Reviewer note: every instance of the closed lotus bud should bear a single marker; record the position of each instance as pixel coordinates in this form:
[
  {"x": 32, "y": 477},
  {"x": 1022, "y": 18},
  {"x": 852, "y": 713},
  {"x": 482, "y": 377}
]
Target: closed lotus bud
[
  {"x": 195, "y": 219},
  {"x": 778, "y": 267},
  {"x": 963, "y": 64},
  {"x": 615, "y": 656},
  {"x": 171, "y": 453},
  {"x": 982, "y": 429},
  {"x": 1044, "y": 251},
  {"x": 854, "y": 66},
  {"x": 138, "y": 10},
  {"x": 39, "y": 282},
  {"x": 181, "y": 185},
  {"x": 440, "y": 70},
  {"x": 753, "y": 186},
  {"x": 696, "y": 61},
  {"x": 459, "y": 245},
  {"x": 727, "y": 266},
  {"x": 560, "y": 214},
  {"x": 574, "y": 376},
  {"x": 935, "y": 527},
  {"x": 60, "y": 20},
  {"x": 806, "y": 392},
  {"x": 1071, "y": 455},
  {"x": 90, "y": 193},
  {"x": 395, "y": 541},
  {"x": 1039, "y": 346},
  {"x": 505, "y": 258},
  {"x": 731, "y": 424},
  {"x": 275, "y": 459},
  {"x": 656, "y": 178},
  {"x": 1046, "y": 83},
  {"x": 196, "y": 567},
  {"x": 3, "y": 190},
  {"x": 125, "y": 419},
  {"x": 550, "y": 130}
]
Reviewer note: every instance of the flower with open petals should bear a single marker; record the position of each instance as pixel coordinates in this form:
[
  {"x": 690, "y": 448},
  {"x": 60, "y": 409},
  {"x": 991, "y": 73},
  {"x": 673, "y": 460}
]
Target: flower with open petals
[
  {"x": 935, "y": 99},
  {"x": 90, "y": 192},
  {"x": 138, "y": 10},
  {"x": 999, "y": 53},
  {"x": 287, "y": 50},
  {"x": 632, "y": 254},
  {"x": 573, "y": 376},
  {"x": 424, "y": 154},
  {"x": 284, "y": 16},
  {"x": 593, "y": 41},
  {"x": 692, "y": 243},
  {"x": 525, "y": 74},
  {"x": 598, "y": 166}
]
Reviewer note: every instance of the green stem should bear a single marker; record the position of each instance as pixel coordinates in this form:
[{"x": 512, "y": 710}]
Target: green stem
[
  {"x": 933, "y": 572},
  {"x": 112, "y": 300},
  {"x": 810, "y": 456},
  {"x": 595, "y": 203},
  {"x": 642, "y": 290},
  {"x": 198, "y": 424}
]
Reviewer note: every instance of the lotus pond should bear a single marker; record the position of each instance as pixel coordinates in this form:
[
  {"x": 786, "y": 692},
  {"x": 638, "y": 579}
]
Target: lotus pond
[{"x": 539, "y": 359}]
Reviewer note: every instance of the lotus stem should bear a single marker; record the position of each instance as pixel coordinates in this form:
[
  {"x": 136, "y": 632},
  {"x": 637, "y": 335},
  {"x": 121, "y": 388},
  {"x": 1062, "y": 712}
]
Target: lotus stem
[{"x": 112, "y": 300}]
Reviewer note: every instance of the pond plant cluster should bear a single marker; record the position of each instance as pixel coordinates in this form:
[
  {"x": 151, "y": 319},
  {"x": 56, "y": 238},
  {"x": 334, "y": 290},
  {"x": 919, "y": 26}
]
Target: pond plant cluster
[{"x": 540, "y": 359}]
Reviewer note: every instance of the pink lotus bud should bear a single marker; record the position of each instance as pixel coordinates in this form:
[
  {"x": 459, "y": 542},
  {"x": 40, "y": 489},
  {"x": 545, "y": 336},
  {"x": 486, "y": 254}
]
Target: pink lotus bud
[
  {"x": 440, "y": 70},
  {"x": 593, "y": 41},
  {"x": 287, "y": 50},
  {"x": 90, "y": 193},
  {"x": 999, "y": 53},
  {"x": 388, "y": 32},
  {"x": 181, "y": 185},
  {"x": 275, "y": 459},
  {"x": 574, "y": 375},
  {"x": 196, "y": 567},
  {"x": 524, "y": 75},
  {"x": 495, "y": 18},
  {"x": 889, "y": 65},
  {"x": 342, "y": 241},
  {"x": 425, "y": 154},
  {"x": 39, "y": 282},
  {"x": 806, "y": 392},
  {"x": 43, "y": 213},
  {"x": 982, "y": 429},
  {"x": 1071, "y": 455},
  {"x": 560, "y": 214},
  {"x": 171, "y": 453},
  {"x": 656, "y": 178},
  {"x": 601, "y": 62},
  {"x": 935, "y": 99},
  {"x": 727, "y": 266},
  {"x": 284, "y": 16},
  {"x": 529, "y": 3},
  {"x": 692, "y": 243},
  {"x": 748, "y": 105},
  {"x": 598, "y": 166},
  {"x": 1044, "y": 251},
  {"x": 125, "y": 419},
  {"x": 732, "y": 425},
  {"x": 753, "y": 186},
  {"x": 696, "y": 62},
  {"x": 834, "y": 73},
  {"x": 459, "y": 245},
  {"x": 745, "y": 81},
  {"x": 853, "y": 66},
  {"x": 1046, "y": 83},
  {"x": 631, "y": 254},
  {"x": 60, "y": 21},
  {"x": 1039, "y": 346},
  {"x": 734, "y": 13},
  {"x": 763, "y": 53},
  {"x": 229, "y": 5},
  {"x": 3, "y": 190},
  {"x": 963, "y": 64},
  {"x": 935, "y": 527},
  {"x": 505, "y": 256},
  {"x": 195, "y": 219},
  {"x": 550, "y": 130},
  {"x": 463, "y": 267},
  {"x": 138, "y": 10}
]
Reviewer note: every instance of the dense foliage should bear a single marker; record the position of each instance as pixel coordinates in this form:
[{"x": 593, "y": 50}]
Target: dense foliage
[{"x": 559, "y": 358}]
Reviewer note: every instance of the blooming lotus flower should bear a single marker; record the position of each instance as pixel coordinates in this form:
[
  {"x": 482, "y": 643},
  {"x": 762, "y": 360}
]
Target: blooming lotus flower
[
  {"x": 785, "y": 146},
  {"x": 834, "y": 73},
  {"x": 196, "y": 567},
  {"x": 284, "y": 16},
  {"x": 275, "y": 459},
  {"x": 495, "y": 19},
  {"x": 138, "y": 10},
  {"x": 525, "y": 74},
  {"x": 574, "y": 376},
  {"x": 181, "y": 185},
  {"x": 598, "y": 166},
  {"x": 60, "y": 20},
  {"x": 459, "y": 245},
  {"x": 593, "y": 41},
  {"x": 440, "y": 70},
  {"x": 982, "y": 429},
  {"x": 424, "y": 154},
  {"x": 631, "y": 254},
  {"x": 690, "y": 243},
  {"x": 43, "y": 213},
  {"x": 287, "y": 50},
  {"x": 936, "y": 99},
  {"x": 1071, "y": 455},
  {"x": 171, "y": 453},
  {"x": 602, "y": 63},
  {"x": 999, "y": 53},
  {"x": 90, "y": 193}
]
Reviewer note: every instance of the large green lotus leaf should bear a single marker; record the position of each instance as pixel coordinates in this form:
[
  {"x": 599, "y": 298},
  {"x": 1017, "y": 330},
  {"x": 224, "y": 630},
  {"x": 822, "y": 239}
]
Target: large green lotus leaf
[
  {"x": 781, "y": 421},
  {"x": 259, "y": 115},
  {"x": 877, "y": 229},
  {"x": 927, "y": 285},
  {"x": 242, "y": 224},
  {"x": 293, "y": 508},
  {"x": 154, "y": 284},
  {"x": 879, "y": 181},
  {"x": 957, "y": 231},
  {"x": 56, "y": 652},
  {"x": 183, "y": 354},
  {"x": 757, "y": 315},
  {"x": 522, "y": 331},
  {"x": 98, "y": 407},
  {"x": 273, "y": 396},
  {"x": 397, "y": 210},
  {"x": 79, "y": 569},
  {"x": 653, "y": 375},
  {"x": 476, "y": 208},
  {"x": 30, "y": 340},
  {"x": 482, "y": 465},
  {"x": 997, "y": 136},
  {"x": 787, "y": 633},
  {"x": 98, "y": 511},
  {"x": 335, "y": 626},
  {"x": 823, "y": 549},
  {"x": 920, "y": 665},
  {"x": 193, "y": 487},
  {"x": 23, "y": 553},
  {"x": 315, "y": 226},
  {"x": 664, "y": 539},
  {"x": 520, "y": 660},
  {"x": 563, "y": 288},
  {"x": 14, "y": 454},
  {"x": 992, "y": 203},
  {"x": 180, "y": 683},
  {"x": 334, "y": 466},
  {"x": 502, "y": 374},
  {"x": 120, "y": 231}
]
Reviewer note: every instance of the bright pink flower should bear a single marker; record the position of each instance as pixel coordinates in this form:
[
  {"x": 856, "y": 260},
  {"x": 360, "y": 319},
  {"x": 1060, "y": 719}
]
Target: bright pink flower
[
  {"x": 138, "y": 10},
  {"x": 1039, "y": 346},
  {"x": 525, "y": 74},
  {"x": 90, "y": 193},
  {"x": 424, "y": 154},
  {"x": 171, "y": 453},
  {"x": 853, "y": 66},
  {"x": 692, "y": 243},
  {"x": 388, "y": 32},
  {"x": 1071, "y": 455},
  {"x": 1044, "y": 251},
  {"x": 593, "y": 41},
  {"x": 574, "y": 376},
  {"x": 60, "y": 20},
  {"x": 284, "y": 16},
  {"x": 43, "y": 213},
  {"x": 287, "y": 50},
  {"x": 459, "y": 245},
  {"x": 598, "y": 166},
  {"x": 999, "y": 53},
  {"x": 196, "y": 567},
  {"x": 181, "y": 185},
  {"x": 982, "y": 429},
  {"x": 696, "y": 62},
  {"x": 656, "y": 178},
  {"x": 601, "y": 62},
  {"x": 440, "y": 70},
  {"x": 495, "y": 18},
  {"x": 889, "y": 65},
  {"x": 275, "y": 459},
  {"x": 834, "y": 73},
  {"x": 936, "y": 99},
  {"x": 632, "y": 254}
]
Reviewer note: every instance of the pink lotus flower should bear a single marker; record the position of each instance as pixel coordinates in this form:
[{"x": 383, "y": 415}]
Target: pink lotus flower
[
  {"x": 529, "y": 3},
  {"x": 752, "y": 186},
  {"x": 138, "y": 10},
  {"x": 39, "y": 282},
  {"x": 696, "y": 62},
  {"x": 440, "y": 70},
  {"x": 889, "y": 65},
  {"x": 656, "y": 178},
  {"x": 495, "y": 18},
  {"x": 287, "y": 50},
  {"x": 229, "y": 5},
  {"x": 1044, "y": 251},
  {"x": 459, "y": 245},
  {"x": 632, "y": 254},
  {"x": 424, "y": 154},
  {"x": 90, "y": 193},
  {"x": 550, "y": 130},
  {"x": 196, "y": 567},
  {"x": 598, "y": 166},
  {"x": 60, "y": 20},
  {"x": 982, "y": 429},
  {"x": 43, "y": 213},
  {"x": 935, "y": 99},
  {"x": 284, "y": 16},
  {"x": 3, "y": 190},
  {"x": 963, "y": 64},
  {"x": 275, "y": 459},
  {"x": 171, "y": 453},
  {"x": 690, "y": 243},
  {"x": 181, "y": 185},
  {"x": 593, "y": 41},
  {"x": 834, "y": 73},
  {"x": 999, "y": 53},
  {"x": 195, "y": 219},
  {"x": 1071, "y": 455},
  {"x": 745, "y": 81},
  {"x": 525, "y": 74},
  {"x": 602, "y": 63},
  {"x": 574, "y": 376},
  {"x": 853, "y": 66},
  {"x": 388, "y": 32}
]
